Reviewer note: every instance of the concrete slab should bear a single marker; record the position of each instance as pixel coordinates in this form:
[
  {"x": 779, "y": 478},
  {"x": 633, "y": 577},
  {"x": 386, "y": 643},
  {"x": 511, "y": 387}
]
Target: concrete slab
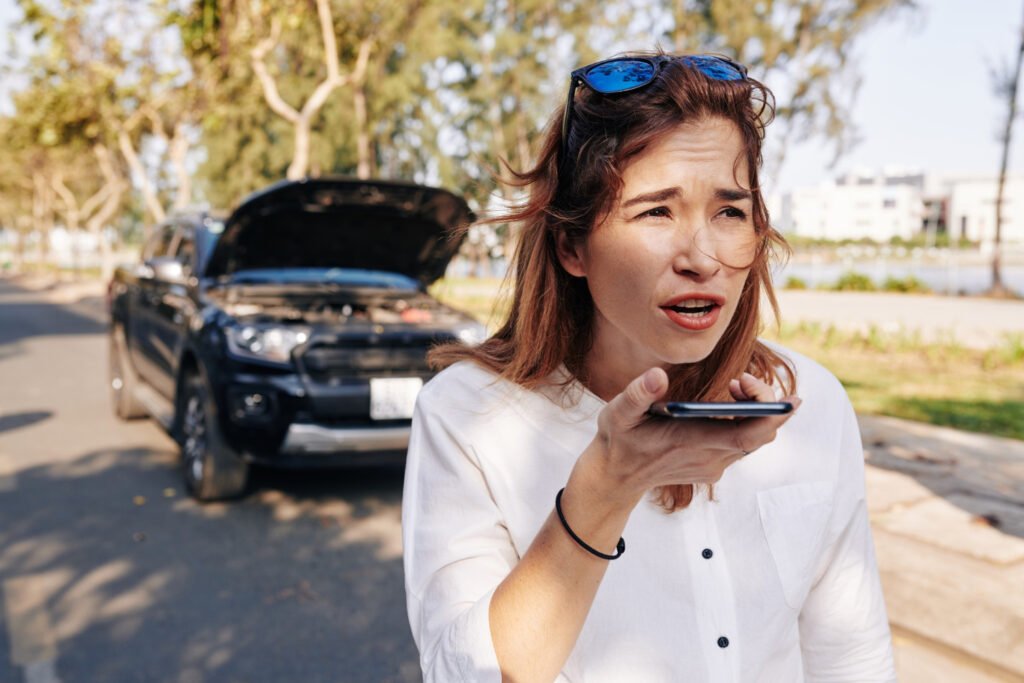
[
  {"x": 961, "y": 524},
  {"x": 919, "y": 661},
  {"x": 965, "y": 603},
  {"x": 887, "y": 489},
  {"x": 946, "y": 460}
]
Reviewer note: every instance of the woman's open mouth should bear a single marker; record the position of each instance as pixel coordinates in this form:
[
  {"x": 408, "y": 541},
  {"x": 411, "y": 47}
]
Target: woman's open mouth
[{"x": 693, "y": 314}]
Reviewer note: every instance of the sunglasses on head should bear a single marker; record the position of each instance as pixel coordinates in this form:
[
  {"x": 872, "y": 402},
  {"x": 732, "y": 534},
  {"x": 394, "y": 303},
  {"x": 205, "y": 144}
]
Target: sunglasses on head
[{"x": 623, "y": 74}]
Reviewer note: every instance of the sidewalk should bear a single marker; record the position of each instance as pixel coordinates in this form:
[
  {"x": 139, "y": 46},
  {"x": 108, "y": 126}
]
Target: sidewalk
[
  {"x": 971, "y": 321},
  {"x": 947, "y": 511}
]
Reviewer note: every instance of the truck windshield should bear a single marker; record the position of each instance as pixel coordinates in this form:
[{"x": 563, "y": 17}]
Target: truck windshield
[{"x": 348, "y": 277}]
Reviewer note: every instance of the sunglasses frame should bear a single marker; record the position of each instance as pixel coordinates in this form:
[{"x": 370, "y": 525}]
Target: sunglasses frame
[{"x": 579, "y": 77}]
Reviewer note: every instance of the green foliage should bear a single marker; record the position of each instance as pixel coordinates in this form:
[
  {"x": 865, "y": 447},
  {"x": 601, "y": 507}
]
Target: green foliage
[
  {"x": 794, "y": 282},
  {"x": 854, "y": 282},
  {"x": 906, "y": 285},
  {"x": 454, "y": 88}
]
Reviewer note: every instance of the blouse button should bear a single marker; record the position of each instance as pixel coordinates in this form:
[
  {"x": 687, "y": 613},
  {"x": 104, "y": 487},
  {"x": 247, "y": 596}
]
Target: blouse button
[
  {"x": 707, "y": 553},
  {"x": 723, "y": 642}
]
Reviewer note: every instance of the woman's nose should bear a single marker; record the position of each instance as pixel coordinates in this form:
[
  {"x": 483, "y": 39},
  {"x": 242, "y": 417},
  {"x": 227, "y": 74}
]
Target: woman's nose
[{"x": 694, "y": 251}]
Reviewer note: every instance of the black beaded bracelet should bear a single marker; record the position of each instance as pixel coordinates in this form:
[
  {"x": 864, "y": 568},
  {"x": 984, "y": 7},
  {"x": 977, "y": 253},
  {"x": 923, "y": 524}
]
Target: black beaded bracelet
[{"x": 620, "y": 547}]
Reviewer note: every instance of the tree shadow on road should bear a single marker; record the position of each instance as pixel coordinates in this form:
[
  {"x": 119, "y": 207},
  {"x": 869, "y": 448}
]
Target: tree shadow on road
[
  {"x": 13, "y": 421},
  {"x": 300, "y": 581},
  {"x": 981, "y": 475},
  {"x": 44, "y": 319}
]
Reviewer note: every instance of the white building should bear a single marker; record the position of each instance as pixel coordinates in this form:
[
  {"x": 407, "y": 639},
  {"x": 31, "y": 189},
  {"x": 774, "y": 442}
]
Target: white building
[
  {"x": 972, "y": 209},
  {"x": 874, "y": 206}
]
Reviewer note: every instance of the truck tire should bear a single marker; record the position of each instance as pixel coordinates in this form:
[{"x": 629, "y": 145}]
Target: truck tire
[
  {"x": 122, "y": 379},
  {"x": 211, "y": 469}
]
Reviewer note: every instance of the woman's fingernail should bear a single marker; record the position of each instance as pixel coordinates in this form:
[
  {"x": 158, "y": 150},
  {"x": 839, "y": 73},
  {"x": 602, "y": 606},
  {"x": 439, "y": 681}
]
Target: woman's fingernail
[{"x": 651, "y": 381}]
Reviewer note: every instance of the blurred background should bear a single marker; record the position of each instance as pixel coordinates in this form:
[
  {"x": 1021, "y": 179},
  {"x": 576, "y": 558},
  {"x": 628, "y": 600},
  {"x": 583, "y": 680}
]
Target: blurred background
[{"x": 894, "y": 167}]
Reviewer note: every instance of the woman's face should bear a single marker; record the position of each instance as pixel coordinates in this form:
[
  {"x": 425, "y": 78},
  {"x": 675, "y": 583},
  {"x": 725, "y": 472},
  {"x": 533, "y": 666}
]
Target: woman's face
[{"x": 667, "y": 265}]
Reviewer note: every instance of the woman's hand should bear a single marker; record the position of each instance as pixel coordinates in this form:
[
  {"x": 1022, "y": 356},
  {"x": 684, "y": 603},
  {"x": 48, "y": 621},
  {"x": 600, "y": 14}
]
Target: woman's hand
[{"x": 633, "y": 453}]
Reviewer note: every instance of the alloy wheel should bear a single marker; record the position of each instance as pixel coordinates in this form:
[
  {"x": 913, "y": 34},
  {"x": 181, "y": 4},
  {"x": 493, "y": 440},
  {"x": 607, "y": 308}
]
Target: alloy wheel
[{"x": 194, "y": 433}]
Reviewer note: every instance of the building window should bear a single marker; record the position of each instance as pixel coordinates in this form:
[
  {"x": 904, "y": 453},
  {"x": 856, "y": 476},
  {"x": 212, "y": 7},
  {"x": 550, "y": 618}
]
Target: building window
[{"x": 888, "y": 203}]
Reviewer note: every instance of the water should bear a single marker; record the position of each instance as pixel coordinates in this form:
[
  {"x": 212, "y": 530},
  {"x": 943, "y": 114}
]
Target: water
[{"x": 942, "y": 278}]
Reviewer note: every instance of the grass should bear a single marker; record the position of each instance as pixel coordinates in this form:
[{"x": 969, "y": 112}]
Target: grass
[
  {"x": 885, "y": 373},
  {"x": 941, "y": 383},
  {"x": 476, "y": 296}
]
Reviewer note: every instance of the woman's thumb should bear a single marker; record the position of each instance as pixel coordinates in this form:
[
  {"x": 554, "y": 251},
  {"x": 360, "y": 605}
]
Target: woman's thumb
[{"x": 644, "y": 390}]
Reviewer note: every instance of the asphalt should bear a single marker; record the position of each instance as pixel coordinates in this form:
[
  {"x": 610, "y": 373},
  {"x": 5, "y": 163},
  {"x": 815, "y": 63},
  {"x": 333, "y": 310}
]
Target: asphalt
[{"x": 946, "y": 506}]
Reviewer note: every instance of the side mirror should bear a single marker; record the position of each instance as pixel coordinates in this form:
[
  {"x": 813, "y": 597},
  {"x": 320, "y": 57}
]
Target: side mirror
[{"x": 165, "y": 269}]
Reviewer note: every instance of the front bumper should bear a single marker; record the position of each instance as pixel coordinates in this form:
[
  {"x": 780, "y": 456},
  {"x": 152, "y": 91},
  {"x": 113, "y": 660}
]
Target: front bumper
[{"x": 308, "y": 439}]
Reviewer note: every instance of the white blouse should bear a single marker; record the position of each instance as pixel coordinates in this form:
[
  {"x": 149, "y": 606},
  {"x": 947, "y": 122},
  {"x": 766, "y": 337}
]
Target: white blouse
[{"x": 774, "y": 580}]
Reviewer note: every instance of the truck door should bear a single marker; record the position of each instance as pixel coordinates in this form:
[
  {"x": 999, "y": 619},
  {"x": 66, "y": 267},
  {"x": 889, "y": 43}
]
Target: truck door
[
  {"x": 173, "y": 308},
  {"x": 138, "y": 298},
  {"x": 144, "y": 303}
]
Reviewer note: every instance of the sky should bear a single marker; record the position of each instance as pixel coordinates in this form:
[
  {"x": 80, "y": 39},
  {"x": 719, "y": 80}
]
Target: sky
[{"x": 926, "y": 99}]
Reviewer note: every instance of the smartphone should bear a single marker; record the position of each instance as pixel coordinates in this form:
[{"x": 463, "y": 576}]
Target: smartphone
[{"x": 737, "y": 409}]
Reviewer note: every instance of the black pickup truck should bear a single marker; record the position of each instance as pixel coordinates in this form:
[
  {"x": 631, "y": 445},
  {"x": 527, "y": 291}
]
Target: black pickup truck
[{"x": 293, "y": 332}]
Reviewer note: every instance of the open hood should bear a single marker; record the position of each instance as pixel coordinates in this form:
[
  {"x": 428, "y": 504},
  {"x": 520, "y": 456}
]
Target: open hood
[{"x": 343, "y": 223}]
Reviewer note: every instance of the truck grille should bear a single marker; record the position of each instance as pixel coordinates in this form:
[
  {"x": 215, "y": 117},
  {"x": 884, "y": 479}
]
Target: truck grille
[{"x": 329, "y": 361}]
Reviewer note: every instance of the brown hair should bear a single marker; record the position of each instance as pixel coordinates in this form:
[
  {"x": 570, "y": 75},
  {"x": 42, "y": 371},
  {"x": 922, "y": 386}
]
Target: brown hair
[{"x": 551, "y": 314}]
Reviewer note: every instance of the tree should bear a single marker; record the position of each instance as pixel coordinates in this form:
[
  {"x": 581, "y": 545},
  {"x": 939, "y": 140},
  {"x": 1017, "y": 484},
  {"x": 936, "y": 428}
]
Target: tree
[
  {"x": 1006, "y": 81},
  {"x": 70, "y": 110},
  {"x": 801, "y": 48},
  {"x": 301, "y": 119}
]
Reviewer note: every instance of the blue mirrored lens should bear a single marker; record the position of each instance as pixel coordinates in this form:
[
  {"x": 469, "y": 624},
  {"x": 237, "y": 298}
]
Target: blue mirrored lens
[
  {"x": 713, "y": 67},
  {"x": 620, "y": 75}
]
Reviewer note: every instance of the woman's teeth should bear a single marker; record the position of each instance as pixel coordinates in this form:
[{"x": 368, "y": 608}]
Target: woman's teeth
[{"x": 694, "y": 307}]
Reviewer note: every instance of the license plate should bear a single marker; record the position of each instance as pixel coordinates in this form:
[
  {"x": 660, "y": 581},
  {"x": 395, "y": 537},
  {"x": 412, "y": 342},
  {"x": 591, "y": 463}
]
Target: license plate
[{"x": 393, "y": 398}]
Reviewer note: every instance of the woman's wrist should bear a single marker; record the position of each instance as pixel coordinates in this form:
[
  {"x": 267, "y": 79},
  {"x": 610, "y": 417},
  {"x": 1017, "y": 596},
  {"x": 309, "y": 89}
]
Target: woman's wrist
[{"x": 600, "y": 495}]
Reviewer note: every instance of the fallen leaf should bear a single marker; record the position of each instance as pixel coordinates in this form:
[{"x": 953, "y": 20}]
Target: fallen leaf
[
  {"x": 138, "y": 537},
  {"x": 987, "y": 520},
  {"x": 170, "y": 493},
  {"x": 139, "y": 500}
]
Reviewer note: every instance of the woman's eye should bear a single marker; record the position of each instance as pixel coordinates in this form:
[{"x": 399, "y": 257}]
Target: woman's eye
[
  {"x": 657, "y": 212},
  {"x": 733, "y": 212}
]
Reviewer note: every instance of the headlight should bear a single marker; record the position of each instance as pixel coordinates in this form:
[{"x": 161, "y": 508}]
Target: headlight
[
  {"x": 265, "y": 343},
  {"x": 471, "y": 333}
]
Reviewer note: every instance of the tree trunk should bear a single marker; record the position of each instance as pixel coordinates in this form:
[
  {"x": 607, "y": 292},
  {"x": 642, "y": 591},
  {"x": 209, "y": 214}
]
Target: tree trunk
[
  {"x": 18, "y": 261},
  {"x": 362, "y": 133},
  {"x": 102, "y": 216},
  {"x": 178, "y": 151},
  {"x": 153, "y": 205},
  {"x": 300, "y": 159},
  {"x": 42, "y": 213},
  {"x": 72, "y": 216},
  {"x": 999, "y": 288}
]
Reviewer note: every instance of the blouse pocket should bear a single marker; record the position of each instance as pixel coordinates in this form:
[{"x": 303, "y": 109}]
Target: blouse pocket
[{"x": 793, "y": 519}]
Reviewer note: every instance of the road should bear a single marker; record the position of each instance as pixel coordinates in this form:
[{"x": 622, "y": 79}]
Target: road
[{"x": 109, "y": 572}]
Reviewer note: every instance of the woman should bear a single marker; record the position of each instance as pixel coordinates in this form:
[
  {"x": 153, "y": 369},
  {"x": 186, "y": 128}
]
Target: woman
[{"x": 641, "y": 265}]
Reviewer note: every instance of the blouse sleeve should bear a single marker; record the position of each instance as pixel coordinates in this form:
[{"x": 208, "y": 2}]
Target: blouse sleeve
[
  {"x": 456, "y": 551},
  {"x": 844, "y": 630}
]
